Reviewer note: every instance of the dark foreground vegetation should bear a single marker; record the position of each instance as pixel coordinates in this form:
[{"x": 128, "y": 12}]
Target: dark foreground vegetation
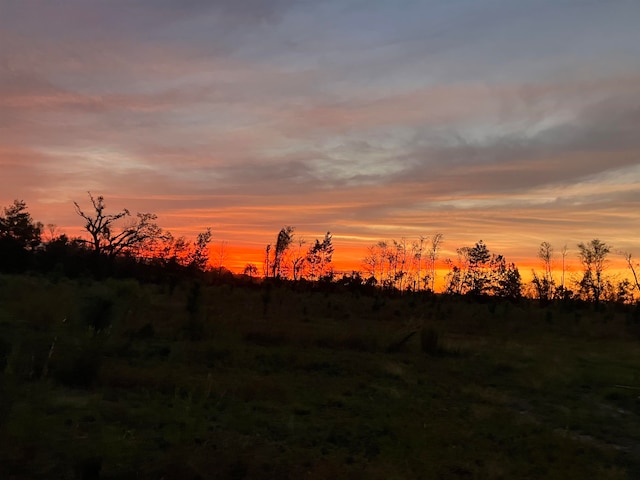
[{"x": 115, "y": 379}]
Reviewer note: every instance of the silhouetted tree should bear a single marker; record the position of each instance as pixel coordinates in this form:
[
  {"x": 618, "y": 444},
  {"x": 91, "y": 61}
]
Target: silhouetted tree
[
  {"x": 624, "y": 291},
  {"x": 19, "y": 236},
  {"x": 17, "y": 226},
  {"x": 107, "y": 239},
  {"x": 563, "y": 253},
  {"x": 63, "y": 255},
  {"x": 298, "y": 260},
  {"x": 266, "y": 265},
  {"x": 435, "y": 243},
  {"x": 593, "y": 256},
  {"x": 171, "y": 252},
  {"x": 478, "y": 272},
  {"x": 632, "y": 266},
  {"x": 475, "y": 278},
  {"x": 319, "y": 258},
  {"x": 398, "y": 261},
  {"x": 453, "y": 280},
  {"x": 250, "y": 270},
  {"x": 52, "y": 232},
  {"x": 544, "y": 284},
  {"x": 283, "y": 242},
  {"x": 505, "y": 278},
  {"x": 398, "y": 264},
  {"x": 327, "y": 256},
  {"x": 417, "y": 252},
  {"x": 381, "y": 262},
  {"x": 372, "y": 261},
  {"x": 220, "y": 256},
  {"x": 199, "y": 255}
]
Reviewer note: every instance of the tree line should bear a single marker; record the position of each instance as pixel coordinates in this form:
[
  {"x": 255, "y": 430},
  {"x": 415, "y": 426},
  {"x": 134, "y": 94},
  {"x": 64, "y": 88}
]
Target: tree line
[
  {"x": 126, "y": 244},
  {"x": 118, "y": 244}
]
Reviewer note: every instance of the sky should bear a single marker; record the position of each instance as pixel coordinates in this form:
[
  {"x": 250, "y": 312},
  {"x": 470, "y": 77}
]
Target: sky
[{"x": 514, "y": 122}]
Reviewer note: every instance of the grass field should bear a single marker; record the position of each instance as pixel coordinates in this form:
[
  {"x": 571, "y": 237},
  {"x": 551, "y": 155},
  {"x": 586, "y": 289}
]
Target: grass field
[{"x": 118, "y": 380}]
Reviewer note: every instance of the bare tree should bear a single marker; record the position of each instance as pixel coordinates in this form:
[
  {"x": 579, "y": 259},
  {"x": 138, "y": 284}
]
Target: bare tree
[
  {"x": 298, "y": 260},
  {"x": 417, "y": 251},
  {"x": 433, "y": 253},
  {"x": 266, "y": 265},
  {"x": 250, "y": 270},
  {"x": 399, "y": 261},
  {"x": 221, "y": 254},
  {"x": 544, "y": 284},
  {"x": 630, "y": 263},
  {"x": 379, "y": 262},
  {"x": 545, "y": 253},
  {"x": 107, "y": 239},
  {"x": 388, "y": 264},
  {"x": 52, "y": 232},
  {"x": 371, "y": 262},
  {"x": 563, "y": 253}
]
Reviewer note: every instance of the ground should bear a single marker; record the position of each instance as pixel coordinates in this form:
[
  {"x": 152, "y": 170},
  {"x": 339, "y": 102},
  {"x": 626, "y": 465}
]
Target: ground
[{"x": 115, "y": 380}]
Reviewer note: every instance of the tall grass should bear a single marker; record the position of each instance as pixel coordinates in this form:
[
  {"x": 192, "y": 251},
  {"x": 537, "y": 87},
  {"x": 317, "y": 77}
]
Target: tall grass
[{"x": 121, "y": 380}]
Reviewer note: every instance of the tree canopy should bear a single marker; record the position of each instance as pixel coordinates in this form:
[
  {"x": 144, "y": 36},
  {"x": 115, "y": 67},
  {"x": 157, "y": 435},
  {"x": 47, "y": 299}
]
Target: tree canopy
[{"x": 17, "y": 226}]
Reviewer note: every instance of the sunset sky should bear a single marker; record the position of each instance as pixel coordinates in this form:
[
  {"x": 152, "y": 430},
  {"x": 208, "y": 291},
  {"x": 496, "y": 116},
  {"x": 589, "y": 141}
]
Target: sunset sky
[{"x": 510, "y": 121}]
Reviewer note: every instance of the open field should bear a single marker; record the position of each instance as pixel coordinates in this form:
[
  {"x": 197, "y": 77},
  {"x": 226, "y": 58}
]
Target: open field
[{"x": 119, "y": 380}]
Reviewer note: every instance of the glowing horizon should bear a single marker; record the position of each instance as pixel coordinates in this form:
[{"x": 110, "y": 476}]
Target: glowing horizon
[{"x": 351, "y": 250}]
